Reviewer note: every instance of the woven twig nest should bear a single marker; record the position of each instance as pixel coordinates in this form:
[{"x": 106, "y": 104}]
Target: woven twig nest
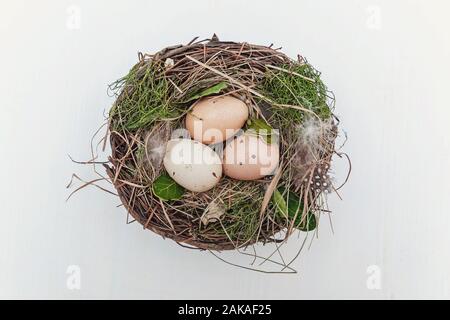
[{"x": 284, "y": 94}]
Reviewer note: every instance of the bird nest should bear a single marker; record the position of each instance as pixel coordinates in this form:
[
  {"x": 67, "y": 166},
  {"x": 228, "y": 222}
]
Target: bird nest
[{"x": 284, "y": 95}]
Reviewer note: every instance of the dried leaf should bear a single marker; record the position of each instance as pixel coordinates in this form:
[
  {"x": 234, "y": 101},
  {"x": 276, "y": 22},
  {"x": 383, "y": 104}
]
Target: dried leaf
[{"x": 212, "y": 213}]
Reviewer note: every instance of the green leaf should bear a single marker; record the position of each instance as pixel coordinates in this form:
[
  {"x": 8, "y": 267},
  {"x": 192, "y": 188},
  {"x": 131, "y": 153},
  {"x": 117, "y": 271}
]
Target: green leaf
[
  {"x": 215, "y": 89},
  {"x": 260, "y": 128},
  {"x": 280, "y": 203},
  {"x": 165, "y": 188},
  {"x": 289, "y": 205}
]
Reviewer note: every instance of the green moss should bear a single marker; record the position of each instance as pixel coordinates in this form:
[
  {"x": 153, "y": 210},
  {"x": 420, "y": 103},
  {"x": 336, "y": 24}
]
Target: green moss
[
  {"x": 244, "y": 220},
  {"x": 143, "y": 98},
  {"x": 241, "y": 220},
  {"x": 288, "y": 88}
]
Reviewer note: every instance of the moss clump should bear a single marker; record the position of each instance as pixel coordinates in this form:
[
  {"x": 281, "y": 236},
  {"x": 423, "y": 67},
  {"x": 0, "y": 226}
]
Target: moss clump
[
  {"x": 144, "y": 98},
  {"x": 297, "y": 85},
  {"x": 242, "y": 213},
  {"x": 244, "y": 217}
]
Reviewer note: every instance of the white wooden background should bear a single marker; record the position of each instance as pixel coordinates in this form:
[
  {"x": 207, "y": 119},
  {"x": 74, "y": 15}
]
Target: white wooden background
[{"x": 388, "y": 63}]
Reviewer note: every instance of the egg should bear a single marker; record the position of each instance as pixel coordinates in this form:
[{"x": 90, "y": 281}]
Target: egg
[
  {"x": 192, "y": 164},
  {"x": 215, "y": 119},
  {"x": 249, "y": 157}
]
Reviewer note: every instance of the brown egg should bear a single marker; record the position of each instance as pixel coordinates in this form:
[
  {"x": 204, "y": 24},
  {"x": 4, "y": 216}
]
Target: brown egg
[
  {"x": 249, "y": 157},
  {"x": 215, "y": 119}
]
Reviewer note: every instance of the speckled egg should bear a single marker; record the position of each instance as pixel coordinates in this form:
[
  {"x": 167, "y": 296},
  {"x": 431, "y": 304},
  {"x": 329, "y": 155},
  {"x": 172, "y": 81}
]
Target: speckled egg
[
  {"x": 249, "y": 157},
  {"x": 215, "y": 119}
]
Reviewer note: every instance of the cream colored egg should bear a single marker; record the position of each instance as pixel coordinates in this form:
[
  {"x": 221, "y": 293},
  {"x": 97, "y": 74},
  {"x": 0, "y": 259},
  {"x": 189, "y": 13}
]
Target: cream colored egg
[
  {"x": 192, "y": 164},
  {"x": 249, "y": 157},
  {"x": 215, "y": 119}
]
